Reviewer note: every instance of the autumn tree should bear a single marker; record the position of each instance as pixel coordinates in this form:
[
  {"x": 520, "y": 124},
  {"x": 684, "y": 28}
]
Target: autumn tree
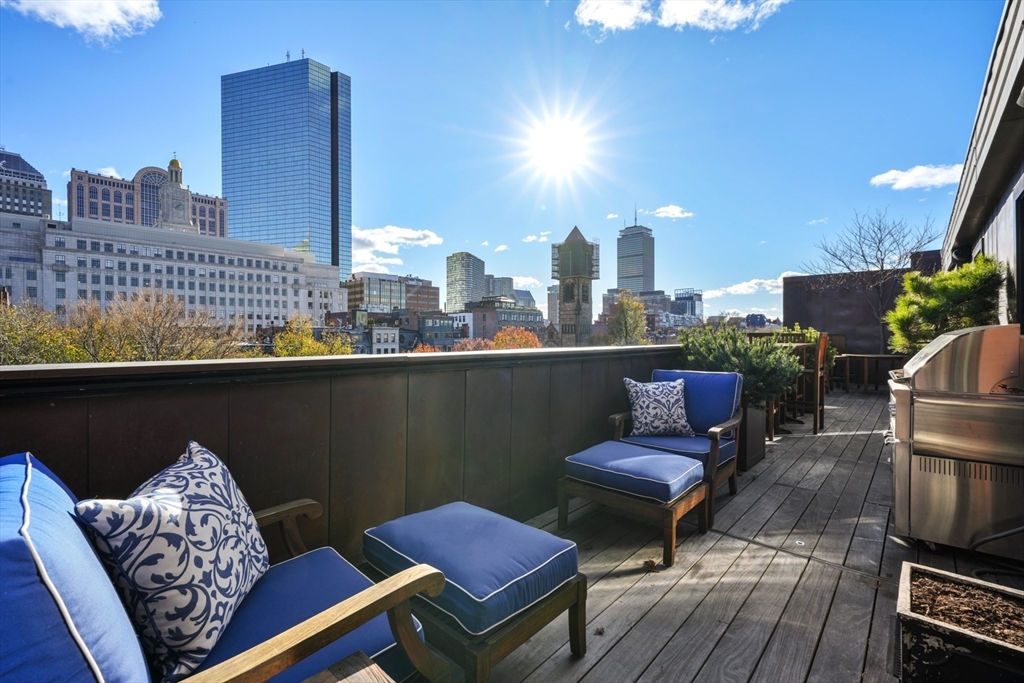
[
  {"x": 149, "y": 327},
  {"x": 474, "y": 345},
  {"x": 297, "y": 339},
  {"x": 628, "y": 325},
  {"x": 870, "y": 256},
  {"x": 425, "y": 348},
  {"x": 30, "y": 335},
  {"x": 516, "y": 338}
]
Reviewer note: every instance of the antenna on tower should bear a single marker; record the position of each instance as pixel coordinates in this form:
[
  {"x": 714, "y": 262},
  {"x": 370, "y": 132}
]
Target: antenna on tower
[
  {"x": 303, "y": 53},
  {"x": 634, "y": 214},
  {"x": 288, "y": 56}
]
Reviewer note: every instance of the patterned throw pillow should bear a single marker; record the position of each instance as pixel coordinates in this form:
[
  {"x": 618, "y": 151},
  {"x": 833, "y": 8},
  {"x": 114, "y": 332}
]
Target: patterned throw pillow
[
  {"x": 658, "y": 408},
  {"x": 184, "y": 550}
]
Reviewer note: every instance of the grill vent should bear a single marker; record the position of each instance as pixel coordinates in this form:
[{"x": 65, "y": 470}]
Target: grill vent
[{"x": 971, "y": 470}]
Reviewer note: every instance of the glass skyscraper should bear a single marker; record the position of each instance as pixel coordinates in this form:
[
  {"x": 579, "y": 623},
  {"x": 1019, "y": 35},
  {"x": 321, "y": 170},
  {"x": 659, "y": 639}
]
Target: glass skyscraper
[{"x": 286, "y": 158}]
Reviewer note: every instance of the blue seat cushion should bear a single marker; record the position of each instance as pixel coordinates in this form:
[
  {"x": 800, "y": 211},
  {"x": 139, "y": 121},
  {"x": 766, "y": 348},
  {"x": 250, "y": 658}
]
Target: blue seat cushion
[
  {"x": 60, "y": 617},
  {"x": 711, "y": 397},
  {"x": 697, "y": 447},
  {"x": 637, "y": 470},
  {"x": 299, "y": 588},
  {"x": 494, "y": 567}
]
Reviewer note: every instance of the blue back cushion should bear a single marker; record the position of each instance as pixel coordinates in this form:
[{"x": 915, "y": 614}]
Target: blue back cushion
[
  {"x": 60, "y": 618},
  {"x": 711, "y": 397}
]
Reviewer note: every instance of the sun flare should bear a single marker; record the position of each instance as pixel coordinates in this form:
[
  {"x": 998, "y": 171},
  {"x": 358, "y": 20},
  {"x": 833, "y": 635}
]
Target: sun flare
[{"x": 558, "y": 147}]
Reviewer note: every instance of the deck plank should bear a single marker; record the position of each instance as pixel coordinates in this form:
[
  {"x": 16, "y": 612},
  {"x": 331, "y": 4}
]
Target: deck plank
[
  {"x": 844, "y": 639},
  {"x": 878, "y": 661},
  {"x": 791, "y": 648},
  {"x": 691, "y": 645},
  {"x": 865, "y": 552},
  {"x": 740, "y": 647}
]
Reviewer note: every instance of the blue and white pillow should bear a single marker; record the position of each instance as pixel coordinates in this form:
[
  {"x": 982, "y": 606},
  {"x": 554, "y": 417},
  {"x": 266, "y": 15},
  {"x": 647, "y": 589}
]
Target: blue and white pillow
[
  {"x": 658, "y": 408},
  {"x": 184, "y": 549}
]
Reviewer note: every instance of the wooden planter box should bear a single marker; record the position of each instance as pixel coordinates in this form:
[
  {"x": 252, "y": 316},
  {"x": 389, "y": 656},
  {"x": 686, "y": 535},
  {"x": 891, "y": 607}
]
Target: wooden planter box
[
  {"x": 752, "y": 434},
  {"x": 932, "y": 650}
]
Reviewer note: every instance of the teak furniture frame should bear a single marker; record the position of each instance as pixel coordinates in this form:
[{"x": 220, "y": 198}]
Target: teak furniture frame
[{"x": 392, "y": 595}]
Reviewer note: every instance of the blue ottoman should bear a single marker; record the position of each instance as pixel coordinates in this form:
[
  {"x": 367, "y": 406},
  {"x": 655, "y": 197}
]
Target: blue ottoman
[
  {"x": 653, "y": 483},
  {"x": 504, "y": 581}
]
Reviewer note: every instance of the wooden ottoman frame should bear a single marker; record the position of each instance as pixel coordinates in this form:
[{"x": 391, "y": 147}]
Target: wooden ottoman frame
[
  {"x": 667, "y": 514},
  {"x": 478, "y": 654}
]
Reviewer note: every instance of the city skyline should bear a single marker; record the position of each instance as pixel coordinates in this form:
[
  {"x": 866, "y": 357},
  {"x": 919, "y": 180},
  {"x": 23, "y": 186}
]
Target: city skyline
[{"x": 487, "y": 128}]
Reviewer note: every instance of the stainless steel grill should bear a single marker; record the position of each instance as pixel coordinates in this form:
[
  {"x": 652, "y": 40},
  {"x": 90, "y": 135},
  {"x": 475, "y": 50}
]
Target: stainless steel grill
[{"x": 957, "y": 434}]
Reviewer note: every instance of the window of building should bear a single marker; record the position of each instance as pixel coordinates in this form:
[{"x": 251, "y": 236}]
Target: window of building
[
  {"x": 80, "y": 200},
  {"x": 135, "y": 282},
  {"x": 122, "y": 265},
  {"x": 106, "y": 211},
  {"x": 82, "y": 277},
  {"x": 109, "y": 296},
  {"x": 94, "y": 193},
  {"x": 30, "y": 275},
  {"x": 108, "y": 247},
  {"x": 83, "y": 294},
  {"x": 60, "y": 277},
  {"x": 108, "y": 264},
  {"x": 94, "y": 208},
  {"x": 82, "y": 244},
  {"x": 129, "y": 214},
  {"x": 117, "y": 196},
  {"x": 129, "y": 198},
  {"x": 151, "y": 183},
  {"x": 106, "y": 195},
  {"x": 58, "y": 242},
  {"x": 108, "y": 279},
  {"x": 117, "y": 211},
  {"x": 95, "y": 278},
  {"x": 60, "y": 259},
  {"x": 122, "y": 280}
]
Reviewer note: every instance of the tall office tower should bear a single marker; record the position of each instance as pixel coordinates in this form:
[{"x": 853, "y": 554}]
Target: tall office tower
[
  {"x": 636, "y": 259},
  {"x": 553, "y": 304},
  {"x": 466, "y": 281},
  {"x": 22, "y": 187},
  {"x": 286, "y": 158},
  {"x": 499, "y": 286},
  {"x": 575, "y": 263}
]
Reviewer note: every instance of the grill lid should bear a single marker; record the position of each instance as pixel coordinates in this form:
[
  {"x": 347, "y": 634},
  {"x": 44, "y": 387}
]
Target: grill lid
[{"x": 977, "y": 360}]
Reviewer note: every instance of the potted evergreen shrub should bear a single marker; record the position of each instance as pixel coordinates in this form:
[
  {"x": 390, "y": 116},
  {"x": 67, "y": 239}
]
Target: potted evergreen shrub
[{"x": 767, "y": 371}]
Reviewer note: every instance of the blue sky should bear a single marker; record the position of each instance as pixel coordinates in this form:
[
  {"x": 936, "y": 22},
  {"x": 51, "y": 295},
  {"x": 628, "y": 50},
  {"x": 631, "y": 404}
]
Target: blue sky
[{"x": 743, "y": 132}]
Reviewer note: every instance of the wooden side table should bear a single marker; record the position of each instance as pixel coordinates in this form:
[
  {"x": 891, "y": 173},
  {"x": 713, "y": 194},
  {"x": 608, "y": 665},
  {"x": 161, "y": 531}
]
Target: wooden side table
[{"x": 356, "y": 668}]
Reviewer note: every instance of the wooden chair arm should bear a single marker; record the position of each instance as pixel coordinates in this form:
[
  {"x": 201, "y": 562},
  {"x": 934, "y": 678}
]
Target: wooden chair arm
[
  {"x": 286, "y": 514},
  {"x": 391, "y": 595},
  {"x": 715, "y": 436},
  {"x": 618, "y": 420}
]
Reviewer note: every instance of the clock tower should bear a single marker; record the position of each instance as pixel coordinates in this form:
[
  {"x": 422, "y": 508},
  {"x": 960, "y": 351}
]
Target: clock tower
[
  {"x": 575, "y": 263},
  {"x": 175, "y": 202}
]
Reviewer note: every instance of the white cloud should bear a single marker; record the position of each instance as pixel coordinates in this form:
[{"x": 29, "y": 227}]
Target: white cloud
[
  {"x": 672, "y": 211},
  {"x": 612, "y": 215},
  {"x": 108, "y": 171},
  {"x": 525, "y": 282},
  {"x": 920, "y": 177},
  {"x": 387, "y": 240},
  {"x": 543, "y": 238},
  {"x": 716, "y": 15},
  {"x": 530, "y": 238},
  {"x": 66, "y": 174},
  {"x": 485, "y": 243},
  {"x": 752, "y": 287},
  {"x": 104, "y": 21},
  {"x": 501, "y": 247},
  {"x": 818, "y": 221},
  {"x": 707, "y": 15},
  {"x": 763, "y": 242},
  {"x": 614, "y": 15},
  {"x": 546, "y": 232}
]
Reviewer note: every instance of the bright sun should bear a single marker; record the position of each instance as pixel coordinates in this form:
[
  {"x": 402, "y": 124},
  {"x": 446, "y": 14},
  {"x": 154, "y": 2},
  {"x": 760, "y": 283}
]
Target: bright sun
[{"x": 558, "y": 147}]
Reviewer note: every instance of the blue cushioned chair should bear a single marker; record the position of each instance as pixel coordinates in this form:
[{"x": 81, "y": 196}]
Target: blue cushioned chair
[
  {"x": 61, "y": 618},
  {"x": 664, "y": 477}
]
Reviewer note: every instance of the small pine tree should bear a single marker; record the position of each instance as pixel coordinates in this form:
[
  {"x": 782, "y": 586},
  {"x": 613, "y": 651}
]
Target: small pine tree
[{"x": 946, "y": 301}]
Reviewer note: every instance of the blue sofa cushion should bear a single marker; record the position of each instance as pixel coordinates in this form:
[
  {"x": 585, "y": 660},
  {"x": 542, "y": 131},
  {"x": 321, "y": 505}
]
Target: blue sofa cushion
[
  {"x": 185, "y": 550},
  {"x": 658, "y": 408},
  {"x": 711, "y": 397},
  {"x": 60, "y": 617},
  {"x": 640, "y": 471},
  {"x": 293, "y": 591},
  {"x": 494, "y": 567},
  {"x": 697, "y": 447}
]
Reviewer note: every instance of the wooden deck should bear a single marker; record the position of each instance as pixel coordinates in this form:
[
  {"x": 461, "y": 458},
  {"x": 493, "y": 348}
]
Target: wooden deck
[{"x": 796, "y": 581}]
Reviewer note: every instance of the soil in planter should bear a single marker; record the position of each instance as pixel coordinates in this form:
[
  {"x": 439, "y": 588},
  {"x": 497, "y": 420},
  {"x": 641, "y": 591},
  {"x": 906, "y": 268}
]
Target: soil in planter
[{"x": 975, "y": 609}]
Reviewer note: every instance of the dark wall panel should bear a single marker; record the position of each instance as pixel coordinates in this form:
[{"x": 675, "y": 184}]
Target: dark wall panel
[
  {"x": 134, "y": 435},
  {"x": 488, "y": 438},
  {"x": 566, "y": 404},
  {"x": 531, "y": 491},
  {"x": 55, "y": 430},
  {"x": 594, "y": 409},
  {"x": 368, "y": 455},
  {"x": 437, "y": 413},
  {"x": 280, "y": 450}
]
